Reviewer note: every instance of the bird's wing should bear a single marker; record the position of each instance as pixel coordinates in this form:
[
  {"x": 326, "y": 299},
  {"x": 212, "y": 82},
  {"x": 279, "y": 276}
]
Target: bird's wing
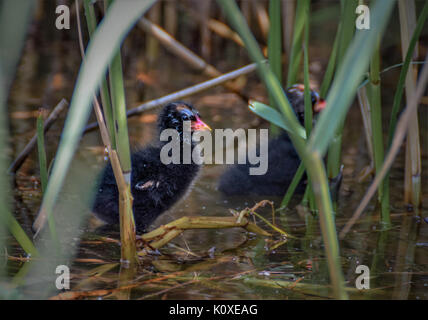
[{"x": 146, "y": 185}]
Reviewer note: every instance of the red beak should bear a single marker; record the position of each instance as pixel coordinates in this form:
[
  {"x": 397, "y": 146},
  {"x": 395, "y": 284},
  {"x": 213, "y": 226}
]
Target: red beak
[
  {"x": 199, "y": 125},
  {"x": 320, "y": 105},
  {"x": 301, "y": 87}
]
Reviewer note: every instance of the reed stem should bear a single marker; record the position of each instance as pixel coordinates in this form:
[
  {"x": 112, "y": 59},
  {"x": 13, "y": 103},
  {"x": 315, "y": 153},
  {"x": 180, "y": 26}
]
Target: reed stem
[
  {"x": 41, "y": 150},
  {"x": 312, "y": 160},
  {"x": 296, "y": 46},
  {"x": 346, "y": 32},
  {"x": 91, "y": 21},
  {"x": 275, "y": 40},
  {"x": 399, "y": 135},
  {"x": 293, "y": 185},
  {"x": 376, "y": 125},
  {"x": 309, "y": 195},
  {"x": 412, "y": 173},
  {"x": 53, "y": 116},
  {"x": 275, "y": 49},
  {"x": 127, "y": 224},
  {"x": 15, "y": 17}
]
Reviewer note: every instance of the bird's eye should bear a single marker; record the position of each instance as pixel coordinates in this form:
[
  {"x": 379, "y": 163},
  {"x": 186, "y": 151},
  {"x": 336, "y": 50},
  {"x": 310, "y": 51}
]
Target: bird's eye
[
  {"x": 185, "y": 117},
  {"x": 314, "y": 100},
  {"x": 314, "y": 97}
]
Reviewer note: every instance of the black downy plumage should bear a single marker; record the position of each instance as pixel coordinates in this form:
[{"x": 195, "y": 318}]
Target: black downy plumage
[
  {"x": 283, "y": 160},
  {"x": 155, "y": 186}
]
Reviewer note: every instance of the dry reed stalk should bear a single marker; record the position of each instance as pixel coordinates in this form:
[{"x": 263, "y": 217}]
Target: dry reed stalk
[
  {"x": 152, "y": 44},
  {"x": 216, "y": 26},
  {"x": 53, "y": 116},
  {"x": 288, "y": 12},
  {"x": 165, "y": 233},
  {"x": 170, "y": 15},
  {"x": 185, "y": 54},
  {"x": 185, "y": 92},
  {"x": 204, "y": 11},
  {"x": 262, "y": 17},
  {"x": 364, "y": 104},
  {"x": 412, "y": 178}
]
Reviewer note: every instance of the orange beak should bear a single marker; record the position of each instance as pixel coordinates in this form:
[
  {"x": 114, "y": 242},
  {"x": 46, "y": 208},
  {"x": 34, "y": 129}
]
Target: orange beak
[
  {"x": 301, "y": 87},
  {"x": 199, "y": 125},
  {"x": 320, "y": 105}
]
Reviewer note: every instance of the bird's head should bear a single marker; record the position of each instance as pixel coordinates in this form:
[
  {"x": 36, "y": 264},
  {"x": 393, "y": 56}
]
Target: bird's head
[
  {"x": 296, "y": 96},
  {"x": 175, "y": 114}
]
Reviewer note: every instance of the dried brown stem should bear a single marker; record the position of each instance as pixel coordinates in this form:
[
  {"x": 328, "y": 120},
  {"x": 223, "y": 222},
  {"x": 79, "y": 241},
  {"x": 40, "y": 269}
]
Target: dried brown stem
[
  {"x": 184, "y": 93},
  {"x": 53, "y": 116},
  {"x": 218, "y": 27},
  {"x": 185, "y": 54},
  {"x": 165, "y": 233}
]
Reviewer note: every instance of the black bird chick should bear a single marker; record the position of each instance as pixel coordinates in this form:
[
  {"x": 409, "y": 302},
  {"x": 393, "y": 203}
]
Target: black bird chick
[
  {"x": 155, "y": 186},
  {"x": 283, "y": 160}
]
